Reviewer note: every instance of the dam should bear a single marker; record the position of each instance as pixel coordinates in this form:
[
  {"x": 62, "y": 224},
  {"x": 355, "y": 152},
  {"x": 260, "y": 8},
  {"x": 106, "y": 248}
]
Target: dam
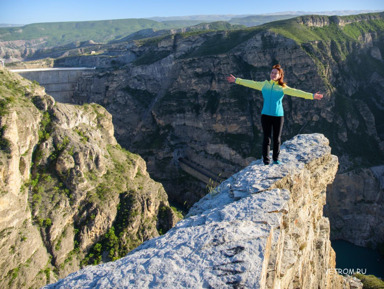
[{"x": 58, "y": 82}]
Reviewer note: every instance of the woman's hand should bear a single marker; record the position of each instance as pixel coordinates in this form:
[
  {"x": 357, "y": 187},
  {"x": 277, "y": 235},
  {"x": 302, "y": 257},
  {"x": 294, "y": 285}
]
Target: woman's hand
[
  {"x": 317, "y": 96},
  {"x": 231, "y": 79}
]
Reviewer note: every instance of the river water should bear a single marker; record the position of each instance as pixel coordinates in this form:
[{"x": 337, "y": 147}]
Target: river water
[{"x": 355, "y": 259}]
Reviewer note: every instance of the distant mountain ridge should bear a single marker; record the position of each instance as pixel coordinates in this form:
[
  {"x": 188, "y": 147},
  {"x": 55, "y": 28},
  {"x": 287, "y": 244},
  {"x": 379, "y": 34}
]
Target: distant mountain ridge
[
  {"x": 169, "y": 99},
  {"x": 61, "y": 33},
  {"x": 233, "y": 17},
  {"x": 10, "y": 25},
  {"x": 21, "y": 43},
  {"x": 319, "y": 52}
]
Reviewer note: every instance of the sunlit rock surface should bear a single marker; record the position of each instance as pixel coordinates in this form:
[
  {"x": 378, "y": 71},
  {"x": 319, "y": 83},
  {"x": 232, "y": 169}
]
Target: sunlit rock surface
[{"x": 261, "y": 228}]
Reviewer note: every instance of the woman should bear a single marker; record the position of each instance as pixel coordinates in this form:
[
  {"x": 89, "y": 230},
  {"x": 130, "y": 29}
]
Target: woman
[{"x": 272, "y": 115}]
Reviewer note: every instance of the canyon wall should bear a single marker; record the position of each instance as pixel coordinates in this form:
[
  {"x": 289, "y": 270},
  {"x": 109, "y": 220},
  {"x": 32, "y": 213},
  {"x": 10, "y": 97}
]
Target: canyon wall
[
  {"x": 70, "y": 195},
  {"x": 169, "y": 97},
  {"x": 170, "y": 100},
  {"x": 261, "y": 228},
  {"x": 355, "y": 207}
]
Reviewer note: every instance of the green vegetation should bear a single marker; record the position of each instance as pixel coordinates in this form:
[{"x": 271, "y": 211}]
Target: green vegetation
[
  {"x": 198, "y": 29},
  {"x": 45, "y": 222},
  {"x": 336, "y": 41},
  {"x": 4, "y": 105},
  {"x": 227, "y": 41},
  {"x": 10, "y": 88},
  {"x": 370, "y": 281},
  {"x": 294, "y": 29},
  {"x": 152, "y": 41},
  {"x": 62, "y": 33},
  {"x": 106, "y": 177},
  {"x": 47, "y": 272},
  {"x": 216, "y": 26},
  {"x": 84, "y": 138},
  {"x": 102, "y": 191},
  {"x": 13, "y": 274},
  {"x": 118, "y": 241},
  {"x": 178, "y": 213},
  {"x": 45, "y": 127},
  {"x": 256, "y": 20},
  {"x": 220, "y": 43}
]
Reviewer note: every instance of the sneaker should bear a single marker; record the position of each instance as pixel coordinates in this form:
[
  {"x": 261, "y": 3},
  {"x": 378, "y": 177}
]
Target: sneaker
[{"x": 276, "y": 162}]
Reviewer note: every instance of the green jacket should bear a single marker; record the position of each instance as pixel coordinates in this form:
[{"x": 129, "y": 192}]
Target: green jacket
[{"x": 273, "y": 94}]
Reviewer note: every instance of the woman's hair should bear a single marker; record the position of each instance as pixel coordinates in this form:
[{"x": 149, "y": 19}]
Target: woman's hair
[{"x": 281, "y": 71}]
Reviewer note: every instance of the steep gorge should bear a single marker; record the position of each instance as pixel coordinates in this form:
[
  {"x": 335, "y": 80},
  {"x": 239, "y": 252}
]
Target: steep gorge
[
  {"x": 169, "y": 99},
  {"x": 70, "y": 195},
  {"x": 261, "y": 228}
]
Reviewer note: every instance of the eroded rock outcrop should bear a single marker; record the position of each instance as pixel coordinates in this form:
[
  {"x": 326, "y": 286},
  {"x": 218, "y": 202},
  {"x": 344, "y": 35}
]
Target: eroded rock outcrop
[
  {"x": 355, "y": 207},
  {"x": 169, "y": 97},
  {"x": 261, "y": 228},
  {"x": 70, "y": 195}
]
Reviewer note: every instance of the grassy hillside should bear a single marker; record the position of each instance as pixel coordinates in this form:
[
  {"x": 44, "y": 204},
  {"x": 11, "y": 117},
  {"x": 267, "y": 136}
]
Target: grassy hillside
[
  {"x": 299, "y": 29},
  {"x": 352, "y": 28},
  {"x": 256, "y": 20},
  {"x": 62, "y": 33},
  {"x": 340, "y": 48}
]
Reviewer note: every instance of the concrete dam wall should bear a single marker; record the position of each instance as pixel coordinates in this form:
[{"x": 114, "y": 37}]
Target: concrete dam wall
[{"x": 58, "y": 82}]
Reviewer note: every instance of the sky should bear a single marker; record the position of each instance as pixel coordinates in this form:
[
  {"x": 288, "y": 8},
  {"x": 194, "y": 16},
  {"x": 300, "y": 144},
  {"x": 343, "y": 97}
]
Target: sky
[{"x": 37, "y": 11}]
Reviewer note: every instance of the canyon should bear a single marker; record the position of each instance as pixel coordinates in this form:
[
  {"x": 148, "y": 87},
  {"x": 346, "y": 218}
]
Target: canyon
[
  {"x": 170, "y": 100},
  {"x": 166, "y": 98},
  {"x": 70, "y": 195},
  {"x": 261, "y": 228}
]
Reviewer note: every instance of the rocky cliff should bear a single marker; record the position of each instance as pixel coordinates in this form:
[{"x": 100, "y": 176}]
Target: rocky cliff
[
  {"x": 355, "y": 207},
  {"x": 170, "y": 99},
  {"x": 261, "y": 228},
  {"x": 70, "y": 195},
  {"x": 55, "y": 40}
]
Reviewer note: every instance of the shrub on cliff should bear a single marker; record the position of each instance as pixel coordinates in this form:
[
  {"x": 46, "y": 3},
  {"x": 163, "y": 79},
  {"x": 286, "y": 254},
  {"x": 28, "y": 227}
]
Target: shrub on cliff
[{"x": 370, "y": 281}]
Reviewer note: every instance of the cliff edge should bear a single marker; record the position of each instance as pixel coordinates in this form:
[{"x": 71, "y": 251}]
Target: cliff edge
[
  {"x": 261, "y": 228},
  {"x": 69, "y": 194}
]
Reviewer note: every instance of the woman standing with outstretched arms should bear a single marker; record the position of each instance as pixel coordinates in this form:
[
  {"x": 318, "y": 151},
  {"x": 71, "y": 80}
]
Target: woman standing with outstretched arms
[{"x": 272, "y": 115}]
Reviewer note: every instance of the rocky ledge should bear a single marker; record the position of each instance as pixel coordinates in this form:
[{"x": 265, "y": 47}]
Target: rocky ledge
[{"x": 261, "y": 228}]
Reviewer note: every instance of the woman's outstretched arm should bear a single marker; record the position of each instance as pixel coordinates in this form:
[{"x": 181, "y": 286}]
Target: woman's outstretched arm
[
  {"x": 317, "y": 95},
  {"x": 300, "y": 93},
  {"x": 245, "y": 82},
  {"x": 231, "y": 79}
]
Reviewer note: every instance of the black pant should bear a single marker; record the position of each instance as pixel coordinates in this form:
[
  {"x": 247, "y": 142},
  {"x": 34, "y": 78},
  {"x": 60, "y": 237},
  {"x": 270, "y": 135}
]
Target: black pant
[{"x": 270, "y": 123}]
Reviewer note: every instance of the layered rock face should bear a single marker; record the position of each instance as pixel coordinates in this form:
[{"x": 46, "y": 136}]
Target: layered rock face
[
  {"x": 70, "y": 195},
  {"x": 182, "y": 106},
  {"x": 170, "y": 99},
  {"x": 261, "y": 228},
  {"x": 355, "y": 207}
]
